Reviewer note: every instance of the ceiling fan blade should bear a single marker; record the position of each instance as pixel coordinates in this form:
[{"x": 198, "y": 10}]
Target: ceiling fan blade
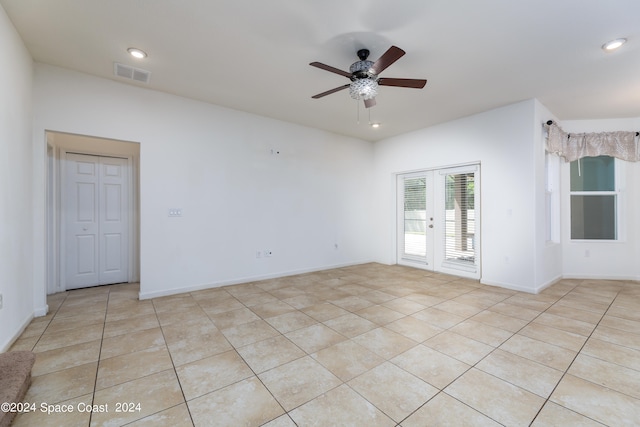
[
  {"x": 329, "y": 92},
  {"x": 368, "y": 103},
  {"x": 330, "y": 68},
  {"x": 389, "y": 57},
  {"x": 413, "y": 83}
]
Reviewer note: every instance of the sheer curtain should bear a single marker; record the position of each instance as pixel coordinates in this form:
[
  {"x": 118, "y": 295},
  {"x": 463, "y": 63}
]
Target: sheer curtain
[{"x": 575, "y": 146}]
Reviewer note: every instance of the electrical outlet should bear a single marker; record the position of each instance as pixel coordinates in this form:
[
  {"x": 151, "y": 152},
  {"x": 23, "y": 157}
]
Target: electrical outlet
[{"x": 268, "y": 253}]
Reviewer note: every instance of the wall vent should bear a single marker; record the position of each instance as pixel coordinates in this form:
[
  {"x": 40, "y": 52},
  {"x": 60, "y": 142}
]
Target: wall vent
[{"x": 131, "y": 73}]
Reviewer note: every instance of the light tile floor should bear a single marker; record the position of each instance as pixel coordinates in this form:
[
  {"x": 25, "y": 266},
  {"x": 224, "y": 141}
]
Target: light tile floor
[{"x": 368, "y": 345}]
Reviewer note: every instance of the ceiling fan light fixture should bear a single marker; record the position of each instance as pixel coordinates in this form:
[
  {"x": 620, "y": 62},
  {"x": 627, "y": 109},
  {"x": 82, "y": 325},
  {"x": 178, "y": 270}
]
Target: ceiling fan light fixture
[
  {"x": 613, "y": 44},
  {"x": 375, "y": 125},
  {"x": 363, "y": 89},
  {"x": 137, "y": 53}
]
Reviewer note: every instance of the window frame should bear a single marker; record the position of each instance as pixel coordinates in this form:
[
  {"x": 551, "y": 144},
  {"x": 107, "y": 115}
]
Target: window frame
[{"x": 617, "y": 192}]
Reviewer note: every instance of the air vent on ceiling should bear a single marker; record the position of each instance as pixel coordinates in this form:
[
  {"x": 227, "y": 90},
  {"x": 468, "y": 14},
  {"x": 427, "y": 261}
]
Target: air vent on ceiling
[{"x": 131, "y": 73}]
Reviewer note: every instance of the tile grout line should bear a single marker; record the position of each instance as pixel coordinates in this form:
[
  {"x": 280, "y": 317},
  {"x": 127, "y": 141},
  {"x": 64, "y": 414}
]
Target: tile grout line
[
  {"x": 388, "y": 360},
  {"x": 310, "y": 355},
  {"x": 235, "y": 349},
  {"x": 442, "y": 390},
  {"x": 50, "y": 320},
  {"x": 491, "y": 352},
  {"x": 547, "y": 399},
  {"x": 95, "y": 382},
  {"x": 306, "y": 354},
  {"x": 574, "y": 359},
  {"x": 175, "y": 371}
]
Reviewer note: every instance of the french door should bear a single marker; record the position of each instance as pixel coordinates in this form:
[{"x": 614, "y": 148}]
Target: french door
[{"x": 439, "y": 220}]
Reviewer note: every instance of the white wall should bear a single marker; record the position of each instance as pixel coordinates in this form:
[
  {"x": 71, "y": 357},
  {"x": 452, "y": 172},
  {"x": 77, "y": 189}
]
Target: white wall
[
  {"x": 505, "y": 142},
  {"x": 609, "y": 260},
  {"x": 216, "y": 165},
  {"x": 16, "y": 236}
]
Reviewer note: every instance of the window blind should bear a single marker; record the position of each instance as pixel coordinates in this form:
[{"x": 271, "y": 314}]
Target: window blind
[
  {"x": 415, "y": 216},
  {"x": 459, "y": 218}
]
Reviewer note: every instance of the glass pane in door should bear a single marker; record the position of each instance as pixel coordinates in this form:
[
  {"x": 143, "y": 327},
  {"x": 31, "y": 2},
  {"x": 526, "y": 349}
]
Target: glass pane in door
[
  {"x": 459, "y": 226},
  {"x": 415, "y": 216}
]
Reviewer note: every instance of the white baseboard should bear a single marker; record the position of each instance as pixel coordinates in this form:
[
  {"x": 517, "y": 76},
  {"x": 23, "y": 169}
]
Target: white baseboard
[
  {"x": 166, "y": 292},
  {"x": 7, "y": 345},
  {"x": 508, "y": 286},
  {"x": 553, "y": 281},
  {"x": 599, "y": 277},
  {"x": 42, "y": 311},
  {"x": 547, "y": 284}
]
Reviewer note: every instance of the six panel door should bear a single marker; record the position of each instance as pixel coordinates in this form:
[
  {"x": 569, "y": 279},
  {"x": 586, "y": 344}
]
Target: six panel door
[{"x": 96, "y": 220}]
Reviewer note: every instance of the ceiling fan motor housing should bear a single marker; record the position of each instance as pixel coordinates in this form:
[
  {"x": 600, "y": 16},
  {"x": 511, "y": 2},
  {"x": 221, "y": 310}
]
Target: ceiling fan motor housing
[
  {"x": 360, "y": 70},
  {"x": 363, "y": 54}
]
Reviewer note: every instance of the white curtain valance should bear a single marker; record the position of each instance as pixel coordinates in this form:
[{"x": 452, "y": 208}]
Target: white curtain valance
[{"x": 575, "y": 146}]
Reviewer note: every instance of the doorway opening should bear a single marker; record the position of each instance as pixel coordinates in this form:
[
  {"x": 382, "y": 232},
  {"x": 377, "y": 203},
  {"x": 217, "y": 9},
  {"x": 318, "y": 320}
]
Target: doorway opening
[{"x": 92, "y": 211}]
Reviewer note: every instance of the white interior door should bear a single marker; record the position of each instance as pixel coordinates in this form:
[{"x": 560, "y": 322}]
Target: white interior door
[
  {"x": 96, "y": 220},
  {"x": 438, "y": 220}
]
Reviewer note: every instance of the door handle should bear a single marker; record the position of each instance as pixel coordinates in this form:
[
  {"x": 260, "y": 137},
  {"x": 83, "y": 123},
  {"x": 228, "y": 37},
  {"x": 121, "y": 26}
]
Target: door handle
[
  {"x": 430, "y": 225},
  {"x": 84, "y": 228}
]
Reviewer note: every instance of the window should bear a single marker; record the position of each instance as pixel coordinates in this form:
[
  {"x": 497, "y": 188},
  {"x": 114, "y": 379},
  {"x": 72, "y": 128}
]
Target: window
[{"x": 594, "y": 199}]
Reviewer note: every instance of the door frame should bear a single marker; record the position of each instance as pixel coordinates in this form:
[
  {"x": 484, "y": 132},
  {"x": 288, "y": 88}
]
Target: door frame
[
  {"x": 63, "y": 143},
  {"x": 439, "y": 263}
]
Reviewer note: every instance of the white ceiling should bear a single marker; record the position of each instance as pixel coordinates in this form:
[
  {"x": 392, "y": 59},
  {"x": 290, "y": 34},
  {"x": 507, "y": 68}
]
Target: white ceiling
[{"x": 253, "y": 55}]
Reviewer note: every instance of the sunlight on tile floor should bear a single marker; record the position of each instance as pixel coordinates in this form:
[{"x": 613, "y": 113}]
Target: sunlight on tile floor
[{"x": 368, "y": 345}]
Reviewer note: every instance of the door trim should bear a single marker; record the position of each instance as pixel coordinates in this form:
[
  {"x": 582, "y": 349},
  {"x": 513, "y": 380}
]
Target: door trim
[{"x": 63, "y": 142}]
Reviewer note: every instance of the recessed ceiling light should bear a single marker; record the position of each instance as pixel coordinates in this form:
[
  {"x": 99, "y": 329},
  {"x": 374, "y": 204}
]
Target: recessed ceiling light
[
  {"x": 375, "y": 125},
  {"x": 613, "y": 44},
  {"x": 136, "y": 53}
]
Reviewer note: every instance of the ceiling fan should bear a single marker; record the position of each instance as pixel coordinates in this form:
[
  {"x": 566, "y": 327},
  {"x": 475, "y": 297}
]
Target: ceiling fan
[{"x": 364, "y": 76}]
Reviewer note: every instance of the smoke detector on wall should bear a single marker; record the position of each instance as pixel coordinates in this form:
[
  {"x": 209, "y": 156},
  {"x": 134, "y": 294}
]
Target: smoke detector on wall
[{"x": 131, "y": 73}]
